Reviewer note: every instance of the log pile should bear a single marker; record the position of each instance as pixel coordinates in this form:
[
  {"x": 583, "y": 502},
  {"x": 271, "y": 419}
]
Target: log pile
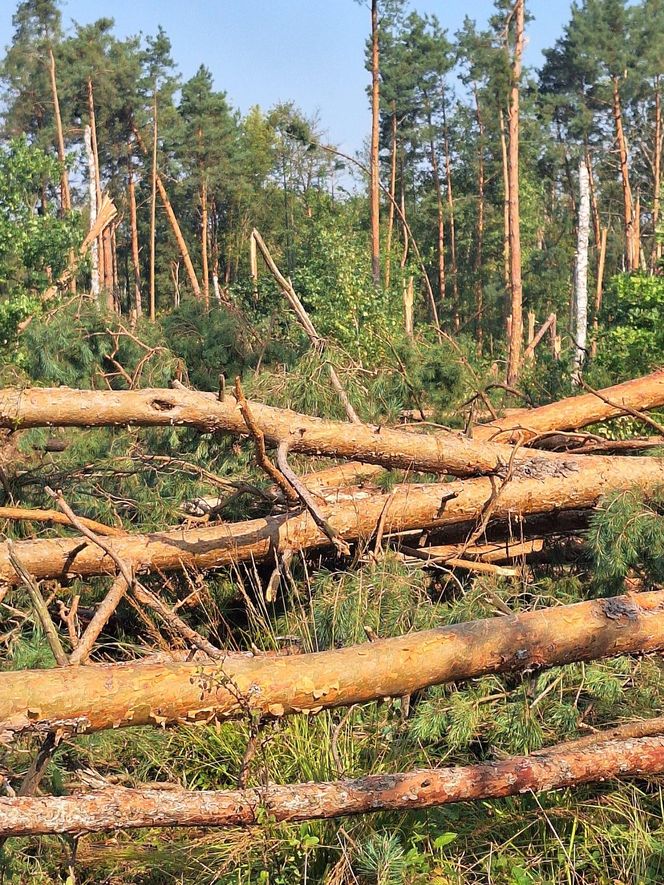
[{"x": 497, "y": 478}]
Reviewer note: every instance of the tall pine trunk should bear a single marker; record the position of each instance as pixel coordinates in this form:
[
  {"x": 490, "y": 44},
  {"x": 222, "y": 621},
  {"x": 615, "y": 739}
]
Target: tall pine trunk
[
  {"x": 631, "y": 248},
  {"x": 133, "y": 225},
  {"x": 153, "y": 211},
  {"x": 204, "y": 241},
  {"x": 479, "y": 246},
  {"x": 516, "y": 286},
  {"x": 439, "y": 207},
  {"x": 450, "y": 208},
  {"x": 374, "y": 168}
]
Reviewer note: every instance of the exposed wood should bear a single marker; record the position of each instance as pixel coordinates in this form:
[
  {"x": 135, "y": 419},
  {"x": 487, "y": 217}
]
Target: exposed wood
[
  {"x": 479, "y": 246},
  {"x": 631, "y": 249},
  {"x": 133, "y": 227},
  {"x": 392, "y": 195},
  {"x": 658, "y": 146},
  {"x": 100, "y": 618},
  {"x": 204, "y": 240},
  {"x": 535, "y": 340},
  {"x": 537, "y": 488},
  {"x": 172, "y": 220},
  {"x": 65, "y": 196},
  {"x": 599, "y": 288},
  {"x": 100, "y": 696},
  {"x": 95, "y": 287}
]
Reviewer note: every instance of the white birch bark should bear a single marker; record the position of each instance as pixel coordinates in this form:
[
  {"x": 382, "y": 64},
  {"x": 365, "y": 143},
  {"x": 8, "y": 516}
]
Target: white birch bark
[{"x": 581, "y": 271}]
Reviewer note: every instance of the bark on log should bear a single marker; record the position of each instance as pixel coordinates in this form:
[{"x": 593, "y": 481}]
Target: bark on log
[
  {"x": 442, "y": 452},
  {"x": 98, "y": 696},
  {"x": 118, "y": 808},
  {"x": 576, "y": 411},
  {"x": 572, "y": 484}
]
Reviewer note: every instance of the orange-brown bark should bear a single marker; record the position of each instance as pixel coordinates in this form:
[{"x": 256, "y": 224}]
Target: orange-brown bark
[
  {"x": 541, "y": 487},
  {"x": 100, "y": 696},
  {"x": 117, "y": 808}
]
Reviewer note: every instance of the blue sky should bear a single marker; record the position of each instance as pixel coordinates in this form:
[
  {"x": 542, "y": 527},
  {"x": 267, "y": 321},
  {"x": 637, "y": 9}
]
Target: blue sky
[{"x": 307, "y": 51}]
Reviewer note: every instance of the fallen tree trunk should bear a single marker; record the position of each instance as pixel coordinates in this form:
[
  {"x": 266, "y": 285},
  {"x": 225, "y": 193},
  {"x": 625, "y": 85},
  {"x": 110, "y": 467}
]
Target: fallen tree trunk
[
  {"x": 98, "y": 696},
  {"x": 571, "y": 484},
  {"x": 577, "y": 411},
  {"x": 440, "y": 452},
  {"x": 119, "y": 808}
]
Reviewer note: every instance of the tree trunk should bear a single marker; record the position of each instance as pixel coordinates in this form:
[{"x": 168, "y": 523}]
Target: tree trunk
[
  {"x": 581, "y": 272},
  {"x": 374, "y": 184},
  {"x": 153, "y": 211},
  {"x": 516, "y": 288},
  {"x": 632, "y": 258},
  {"x": 479, "y": 247},
  {"x": 554, "y": 768},
  {"x": 578, "y": 411},
  {"x": 104, "y": 284},
  {"x": 175, "y": 227},
  {"x": 506, "y": 204},
  {"x": 392, "y": 198},
  {"x": 65, "y": 196},
  {"x": 100, "y": 696},
  {"x": 657, "y": 175},
  {"x": 204, "y": 242},
  {"x": 542, "y": 486},
  {"x": 450, "y": 209},
  {"x": 439, "y": 209},
  {"x": 92, "y": 194},
  {"x": 599, "y": 288},
  {"x": 133, "y": 225}
]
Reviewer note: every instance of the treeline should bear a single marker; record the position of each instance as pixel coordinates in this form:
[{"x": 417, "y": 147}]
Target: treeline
[{"x": 472, "y": 201}]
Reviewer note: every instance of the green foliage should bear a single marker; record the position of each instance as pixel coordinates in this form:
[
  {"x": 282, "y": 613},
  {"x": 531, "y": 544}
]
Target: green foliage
[
  {"x": 632, "y": 339},
  {"x": 627, "y": 535}
]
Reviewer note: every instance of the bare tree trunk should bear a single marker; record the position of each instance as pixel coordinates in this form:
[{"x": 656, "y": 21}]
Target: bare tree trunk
[
  {"x": 153, "y": 211},
  {"x": 657, "y": 175},
  {"x": 479, "y": 248},
  {"x": 439, "y": 207},
  {"x": 65, "y": 196},
  {"x": 450, "y": 208},
  {"x": 597, "y": 231},
  {"x": 104, "y": 284},
  {"x": 392, "y": 199},
  {"x": 632, "y": 257},
  {"x": 375, "y": 144},
  {"x": 92, "y": 194},
  {"x": 544, "y": 485},
  {"x": 516, "y": 287},
  {"x": 557, "y": 767},
  {"x": 204, "y": 242},
  {"x": 506, "y": 204},
  {"x": 133, "y": 225},
  {"x": 581, "y": 272},
  {"x": 95, "y": 697}
]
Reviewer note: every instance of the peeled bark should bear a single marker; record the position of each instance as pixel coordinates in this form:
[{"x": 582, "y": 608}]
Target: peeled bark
[
  {"x": 555, "y": 768},
  {"x": 133, "y": 225},
  {"x": 543, "y": 486},
  {"x": 581, "y": 271},
  {"x": 99, "y": 696}
]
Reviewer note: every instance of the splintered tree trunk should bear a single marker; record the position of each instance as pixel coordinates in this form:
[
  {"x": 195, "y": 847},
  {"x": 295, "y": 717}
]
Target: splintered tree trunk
[
  {"x": 133, "y": 225},
  {"x": 65, "y": 196},
  {"x": 537, "y": 487},
  {"x": 100, "y": 696},
  {"x": 632, "y": 258},
  {"x": 581, "y": 270},
  {"x": 101, "y": 242},
  {"x": 175, "y": 227},
  {"x": 516, "y": 287},
  {"x": 92, "y": 194},
  {"x": 554, "y": 768},
  {"x": 374, "y": 183}
]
